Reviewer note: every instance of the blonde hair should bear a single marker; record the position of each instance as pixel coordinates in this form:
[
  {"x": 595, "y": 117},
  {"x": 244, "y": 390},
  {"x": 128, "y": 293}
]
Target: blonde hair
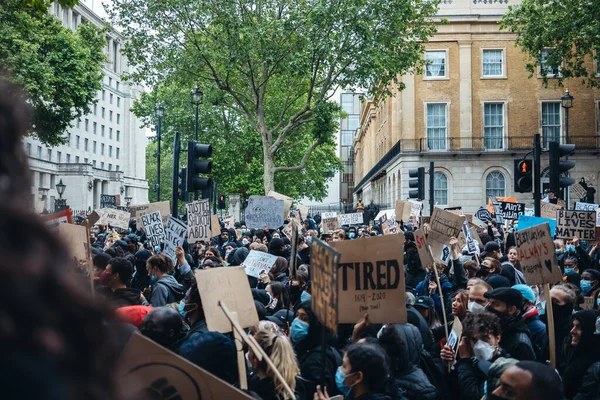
[{"x": 280, "y": 351}]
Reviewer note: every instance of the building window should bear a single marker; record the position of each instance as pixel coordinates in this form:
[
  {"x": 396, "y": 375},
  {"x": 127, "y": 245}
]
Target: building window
[
  {"x": 110, "y": 167},
  {"x": 118, "y": 136},
  {"x": 118, "y": 86},
  {"x": 493, "y": 61},
  {"x": 551, "y": 123},
  {"x": 85, "y": 160},
  {"x": 94, "y": 147},
  {"x": 440, "y": 194},
  {"x": 110, "y": 133},
  {"x": 68, "y": 159},
  {"x": 118, "y": 152},
  {"x": 102, "y": 165},
  {"x": 78, "y": 122},
  {"x": 546, "y": 69},
  {"x": 493, "y": 125},
  {"x": 76, "y": 159},
  {"x": 28, "y": 149},
  {"x": 39, "y": 152},
  {"x": 436, "y": 64},
  {"x": 68, "y": 138},
  {"x": 49, "y": 154},
  {"x": 110, "y": 151},
  {"x": 77, "y": 140},
  {"x": 103, "y": 94},
  {"x": 87, "y": 125},
  {"x": 41, "y": 180},
  {"x": 495, "y": 184},
  {"x": 85, "y": 144},
  {"x": 118, "y": 118},
  {"x": 116, "y": 168},
  {"x": 110, "y": 82},
  {"x": 95, "y": 128},
  {"x": 58, "y": 156},
  {"x": 110, "y": 98},
  {"x": 94, "y": 163},
  {"x": 102, "y": 130},
  {"x": 110, "y": 114},
  {"x": 118, "y": 100},
  {"x": 437, "y": 126},
  {"x": 52, "y": 181},
  {"x": 103, "y": 112},
  {"x": 95, "y": 109},
  {"x": 101, "y": 149}
]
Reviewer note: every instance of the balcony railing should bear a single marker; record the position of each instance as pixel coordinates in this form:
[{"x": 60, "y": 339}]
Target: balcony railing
[{"x": 472, "y": 145}]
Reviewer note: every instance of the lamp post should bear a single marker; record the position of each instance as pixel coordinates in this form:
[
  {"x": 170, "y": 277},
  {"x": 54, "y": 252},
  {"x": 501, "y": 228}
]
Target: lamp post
[
  {"x": 61, "y": 203},
  {"x": 160, "y": 112},
  {"x": 567, "y": 103},
  {"x": 196, "y": 99}
]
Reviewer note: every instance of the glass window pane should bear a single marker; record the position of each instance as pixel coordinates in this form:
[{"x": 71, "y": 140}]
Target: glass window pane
[
  {"x": 492, "y": 62},
  {"x": 551, "y": 123},
  {"x": 436, "y": 126},
  {"x": 440, "y": 194},
  {"x": 495, "y": 184},
  {"x": 436, "y": 63},
  {"x": 493, "y": 125}
]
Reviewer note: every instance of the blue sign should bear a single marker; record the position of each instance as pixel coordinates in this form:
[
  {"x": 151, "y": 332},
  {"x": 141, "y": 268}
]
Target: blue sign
[{"x": 526, "y": 221}]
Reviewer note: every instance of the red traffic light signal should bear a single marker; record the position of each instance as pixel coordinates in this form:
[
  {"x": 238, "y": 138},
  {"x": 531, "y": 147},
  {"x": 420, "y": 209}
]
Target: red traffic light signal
[{"x": 523, "y": 176}]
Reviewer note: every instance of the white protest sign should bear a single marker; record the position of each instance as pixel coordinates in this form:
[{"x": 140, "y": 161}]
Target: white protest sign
[
  {"x": 471, "y": 245},
  {"x": 264, "y": 211},
  {"x": 174, "y": 236},
  {"x": 537, "y": 255},
  {"x": 329, "y": 214},
  {"x": 153, "y": 227},
  {"x": 350, "y": 219},
  {"x": 198, "y": 221},
  {"x": 114, "y": 217},
  {"x": 258, "y": 262},
  {"x": 579, "y": 206}
]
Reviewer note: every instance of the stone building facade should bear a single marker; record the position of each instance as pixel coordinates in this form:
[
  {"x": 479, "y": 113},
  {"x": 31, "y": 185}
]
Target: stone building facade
[{"x": 473, "y": 111}]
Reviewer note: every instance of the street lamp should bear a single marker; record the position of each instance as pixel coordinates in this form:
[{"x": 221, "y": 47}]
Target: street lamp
[
  {"x": 196, "y": 99},
  {"x": 160, "y": 112},
  {"x": 60, "y": 188},
  {"x": 567, "y": 102},
  {"x": 60, "y": 204},
  {"x": 128, "y": 200}
]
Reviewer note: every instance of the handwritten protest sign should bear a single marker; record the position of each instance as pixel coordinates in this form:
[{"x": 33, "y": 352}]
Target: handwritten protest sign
[
  {"x": 198, "y": 221},
  {"x": 423, "y": 249},
  {"x": 537, "y": 255},
  {"x": 153, "y": 227},
  {"x": 442, "y": 226},
  {"x": 471, "y": 245},
  {"x": 371, "y": 279},
  {"x": 229, "y": 221},
  {"x": 578, "y": 191},
  {"x": 576, "y": 223},
  {"x": 147, "y": 370},
  {"x": 287, "y": 202},
  {"x": 215, "y": 226},
  {"x": 527, "y": 222},
  {"x": 329, "y": 214},
  {"x": 330, "y": 224},
  {"x": 511, "y": 211},
  {"x": 108, "y": 201},
  {"x": 403, "y": 209},
  {"x": 324, "y": 270},
  {"x": 174, "y": 237},
  {"x": 579, "y": 206},
  {"x": 114, "y": 217},
  {"x": 258, "y": 262},
  {"x": 75, "y": 237},
  {"x": 484, "y": 215},
  {"x": 548, "y": 210},
  {"x": 350, "y": 219},
  {"x": 229, "y": 285},
  {"x": 263, "y": 210},
  {"x": 163, "y": 206}
]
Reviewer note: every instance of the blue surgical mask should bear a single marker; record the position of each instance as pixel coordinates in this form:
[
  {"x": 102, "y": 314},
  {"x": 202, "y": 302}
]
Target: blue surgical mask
[
  {"x": 305, "y": 296},
  {"x": 569, "y": 271},
  {"x": 153, "y": 278},
  {"x": 598, "y": 301},
  {"x": 586, "y": 287},
  {"x": 340, "y": 377},
  {"x": 243, "y": 231},
  {"x": 181, "y": 309},
  {"x": 298, "y": 330},
  {"x": 570, "y": 248},
  {"x": 352, "y": 235},
  {"x": 559, "y": 252}
]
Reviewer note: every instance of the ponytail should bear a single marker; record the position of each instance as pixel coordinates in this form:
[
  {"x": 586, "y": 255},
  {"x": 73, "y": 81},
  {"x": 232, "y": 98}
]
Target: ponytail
[
  {"x": 162, "y": 262},
  {"x": 280, "y": 351}
]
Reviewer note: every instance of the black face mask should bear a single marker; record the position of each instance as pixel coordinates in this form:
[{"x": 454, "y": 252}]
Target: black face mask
[
  {"x": 412, "y": 259},
  {"x": 504, "y": 317},
  {"x": 495, "y": 397},
  {"x": 562, "y": 314},
  {"x": 295, "y": 293},
  {"x": 158, "y": 337}
]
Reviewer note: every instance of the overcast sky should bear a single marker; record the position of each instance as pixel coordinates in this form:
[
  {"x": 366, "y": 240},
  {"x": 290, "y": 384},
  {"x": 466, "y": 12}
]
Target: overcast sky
[{"x": 97, "y": 6}]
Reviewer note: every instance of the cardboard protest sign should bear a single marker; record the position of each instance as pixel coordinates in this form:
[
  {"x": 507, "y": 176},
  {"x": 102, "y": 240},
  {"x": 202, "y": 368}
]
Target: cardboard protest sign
[
  {"x": 329, "y": 214},
  {"x": 548, "y": 210},
  {"x": 149, "y": 370},
  {"x": 108, "y": 201},
  {"x": 423, "y": 249},
  {"x": 228, "y": 221},
  {"x": 215, "y": 226},
  {"x": 371, "y": 279},
  {"x": 264, "y": 211},
  {"x": 330, "y": 224},
  {"x": 576, "y": 223},
  {"x": 229, "y": 285},
  {"x": 588, "y": 303},
  {"x": 75, "y": 237},
  {"x": 578, "y": 191},
  {"x": 351, "y": 219},
  {"x": 93, "y": 218},
  {"x": 61, "y": 217},
  {"x": 198, "y": 221},
  {"x": 403, "y": 209},
  {"x": 114, "y": 217},
  {"x": 303, "y": 211},
  {"x": 579, "y": 206},
  {"x": 446, "y": 223},
  {"x": 484, "y": 215},
  {"x": 324, "y": 262},
  {"x": 537, "y": 255},
  {"x": 511, "y": 211},
  {"x": 287, "y": 202},
  {"x": 258, "y": 262},
  {"x": 153, "y": 227},
  {"x": 455, "y": 334},
  {"x": 174, "y": 237},
  {"x": 163, "y": 206},
  {"x": 526, "y": 222},
  {"x": 472, "y": 247}
]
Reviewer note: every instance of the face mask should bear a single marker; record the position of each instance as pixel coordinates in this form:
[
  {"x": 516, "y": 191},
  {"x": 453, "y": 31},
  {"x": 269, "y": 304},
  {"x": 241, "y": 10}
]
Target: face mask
[
  {"x": 298, "y": 330},
  {"x": 569, "y": 271},
  {"x": 483, "y": 351},
  {"x": 586, "y": 287},
  {"x": 570, "y": 249},
  {"x": 473, "y": 307},
  {"x": 598, "y": 301},
  {"x": 559, "y": 252},
  {"x": 203, "y": 248},
  {"x": 500, "y": 315},
  {"x": 243, "y": 231},
  {"x": 245, "y": 242},
  {"x": 104, "y": 277},
  {"x": 561, "y": 313},
  {"x": 227, "y": 252},
  {"x": 153, "y": 278},
  {"x": 352, "y": 235},
  {"x": 308, "y": 240},
  {"x": 340, "y": 377},
  {"x": 305, "y": 296},
  {"x": 181, "y": 309},
  {"x": 597, "y": 326}
]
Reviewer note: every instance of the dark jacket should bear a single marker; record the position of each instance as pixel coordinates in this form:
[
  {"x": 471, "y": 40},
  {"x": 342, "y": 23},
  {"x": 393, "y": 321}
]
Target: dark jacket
[
  {"x": 516, "y": 341},
  {"x": 125, "y": 297},
  {"x": 166, "y": 290},
  {"x": 538, "y": 334},
  {"x": 414, "y": 276},
  {"x": 406, "y": 369},
  {"x": 471, "y": 378},
  {"x": 415, "y": 318},
  {"x": 590, "y": 384}
]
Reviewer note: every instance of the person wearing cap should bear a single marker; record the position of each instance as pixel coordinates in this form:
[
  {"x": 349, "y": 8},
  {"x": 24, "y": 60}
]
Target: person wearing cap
[
  {"x": 283, "y": 319},
  {"x": 415, "y": 273},
  {"x": 426, "y": 306},
  {"x": 537, "y": 329},
  {"x": 506, "y": 303},
  {"x": 529, "y": 380}
]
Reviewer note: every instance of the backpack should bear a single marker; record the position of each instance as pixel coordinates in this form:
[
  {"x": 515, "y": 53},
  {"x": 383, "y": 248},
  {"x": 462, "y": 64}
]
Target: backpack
[{"x": 519, "y": 278}]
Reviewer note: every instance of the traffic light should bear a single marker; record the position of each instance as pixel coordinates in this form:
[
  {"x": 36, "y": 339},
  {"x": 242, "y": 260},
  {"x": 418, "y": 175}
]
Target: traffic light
[
  {"x": 558, "y": 166},
  {"x": 221, "y": 202},
  {"x": 418, "y": 183},
  {"x": 523, "y": 176},
  {"x": 183, "y": 193},
  {"x": 196, "y": 166}
]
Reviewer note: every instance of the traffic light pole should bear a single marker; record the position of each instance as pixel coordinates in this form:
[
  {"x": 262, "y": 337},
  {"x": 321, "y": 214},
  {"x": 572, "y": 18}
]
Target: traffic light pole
[
  {"x": 537, "y": 195},
  {"x": 431, "y": 186},
  {"x": 158, "y": 159},
  {"x": 175, "y": 188}
]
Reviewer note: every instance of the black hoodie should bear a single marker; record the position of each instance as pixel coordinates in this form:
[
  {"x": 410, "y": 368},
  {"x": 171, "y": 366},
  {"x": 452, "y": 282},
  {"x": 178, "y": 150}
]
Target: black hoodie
[
  {"x": 515, "y": 338},
  {"x": 125, "y": 297}
]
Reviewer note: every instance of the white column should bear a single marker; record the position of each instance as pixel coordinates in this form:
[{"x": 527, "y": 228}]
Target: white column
[
  {"x": 118, "y": 55},
  {"x": 70, "y": 18},
  {"x": 110, "y": 47},
  {"x": 465, "y": 93}
]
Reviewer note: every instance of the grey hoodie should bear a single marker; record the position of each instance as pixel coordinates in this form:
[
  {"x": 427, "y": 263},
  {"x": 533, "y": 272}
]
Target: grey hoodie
[{"x": 166, "y": 290}]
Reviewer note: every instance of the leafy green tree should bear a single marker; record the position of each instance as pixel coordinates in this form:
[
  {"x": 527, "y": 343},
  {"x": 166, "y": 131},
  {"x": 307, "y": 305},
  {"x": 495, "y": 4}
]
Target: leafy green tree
[
  {"x": 276, "y": 62},
  {"x": 59, "y": 69},
  {"x": 569, "y": 28}
]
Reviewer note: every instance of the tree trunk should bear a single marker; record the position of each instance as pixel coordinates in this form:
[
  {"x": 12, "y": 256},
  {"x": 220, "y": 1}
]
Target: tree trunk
[{"x": 269, "y": 165}]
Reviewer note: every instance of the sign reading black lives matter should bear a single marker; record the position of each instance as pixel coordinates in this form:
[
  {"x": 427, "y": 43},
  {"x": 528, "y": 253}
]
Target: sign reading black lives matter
[
  {"x": 323, "y": 266},
  {"x": 174, "y": 237},
  {"x": 537, "y": 255},
  {"x": 264, "y": 210},
  {"x": 511, "y": 211},
  {"x": 581, "y": 224},
  {"x": 198, "y": 221},
  {"x": 370, "y": 279},
  {"x": 153, "y": 227}
]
